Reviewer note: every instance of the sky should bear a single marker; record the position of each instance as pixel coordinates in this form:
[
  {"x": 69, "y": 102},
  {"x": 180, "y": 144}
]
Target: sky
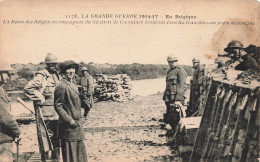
[{"x": 124, "y": 43}]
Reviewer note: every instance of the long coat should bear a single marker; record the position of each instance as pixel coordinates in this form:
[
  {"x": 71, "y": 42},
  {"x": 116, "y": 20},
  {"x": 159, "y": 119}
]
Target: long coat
[
  {"x": 175, "y": 85},
  {"x": 87, "y": 90},
  {"x": 68, "y": 106},
  {"x": 9, "y": 128}
]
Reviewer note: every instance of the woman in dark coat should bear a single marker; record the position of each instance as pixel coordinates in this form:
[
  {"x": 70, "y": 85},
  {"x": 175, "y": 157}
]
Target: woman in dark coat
[{"x": 68, "y": 106}]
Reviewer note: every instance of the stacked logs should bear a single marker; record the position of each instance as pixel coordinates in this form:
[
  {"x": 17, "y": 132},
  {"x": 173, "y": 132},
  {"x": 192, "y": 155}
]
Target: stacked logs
[{"x": 115, "y": 88}]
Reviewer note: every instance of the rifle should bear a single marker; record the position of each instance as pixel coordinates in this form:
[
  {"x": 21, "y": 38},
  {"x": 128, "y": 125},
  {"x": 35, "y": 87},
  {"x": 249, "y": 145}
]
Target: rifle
[
  {"x": 224, "y": 55},
  {"x": 42, "y": 133}
]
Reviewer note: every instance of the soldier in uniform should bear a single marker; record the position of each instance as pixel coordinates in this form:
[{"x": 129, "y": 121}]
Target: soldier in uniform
[
  {"x": 196, "y": 85},
  {"x": 9, "y": 129},
  {"x": 235, "y": 52},
  {"x": 86, "y": 81},
  {"x": 41, "y": 91},
  {"x": 174, "y": 92},
  {"x": 251, "y": 60}
]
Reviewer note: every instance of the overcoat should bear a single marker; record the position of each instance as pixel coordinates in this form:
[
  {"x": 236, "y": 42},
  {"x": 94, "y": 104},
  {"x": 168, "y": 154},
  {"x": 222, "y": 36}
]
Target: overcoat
[
  {"x": 9, "y": 128},
  {"x": 68, "y": 106},
  {"x": 175, "y": 85},
  {"x": 87, "y": 90}
]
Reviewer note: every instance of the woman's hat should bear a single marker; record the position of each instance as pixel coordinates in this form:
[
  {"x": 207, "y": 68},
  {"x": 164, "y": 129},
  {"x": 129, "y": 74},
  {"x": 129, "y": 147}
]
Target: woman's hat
[{"x": 68, "y": 65}]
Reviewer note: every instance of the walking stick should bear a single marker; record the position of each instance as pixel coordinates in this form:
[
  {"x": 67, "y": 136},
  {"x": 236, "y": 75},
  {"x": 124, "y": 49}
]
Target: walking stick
[{"x": 17, "y": 141}]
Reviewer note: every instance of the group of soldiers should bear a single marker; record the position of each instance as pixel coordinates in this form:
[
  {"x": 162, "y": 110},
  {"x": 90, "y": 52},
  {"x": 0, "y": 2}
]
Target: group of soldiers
[
  {"x": 176, "y": 86},
  {"x": 239, "y": 58},
  {"x": 41, "y": 91}
]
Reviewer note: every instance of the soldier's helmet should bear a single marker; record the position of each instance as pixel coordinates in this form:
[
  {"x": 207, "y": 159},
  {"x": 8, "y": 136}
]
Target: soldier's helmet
[
  {"x": 195, "y": 59},
  {"x": 84, "y": 69},
  {"x": 50, "y": 58},
  {"x": 172, "y": 58},
  {"x": 233, "y": 44}
]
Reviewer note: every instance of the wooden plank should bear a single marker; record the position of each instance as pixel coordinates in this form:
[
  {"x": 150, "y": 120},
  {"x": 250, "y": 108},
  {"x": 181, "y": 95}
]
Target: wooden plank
[
  {"x": 202, "y": 133},
  {"x": 211, "y": 134},
  {"x": 250, "y": 129},
  {"x": 36, "y": 157},
  {"x": 241, "y": 113},
  {"x": 222, "y": 113},
  {"x": 215, "y": 124}
]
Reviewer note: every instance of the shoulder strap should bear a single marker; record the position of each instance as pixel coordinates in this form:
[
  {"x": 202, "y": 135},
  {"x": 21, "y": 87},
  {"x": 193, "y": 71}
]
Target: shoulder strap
[{"x": 44, "y": 81}]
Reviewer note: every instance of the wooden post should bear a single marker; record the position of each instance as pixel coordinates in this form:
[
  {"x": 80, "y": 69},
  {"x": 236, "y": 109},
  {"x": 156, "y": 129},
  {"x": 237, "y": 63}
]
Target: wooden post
[
  {"x": 241, "y": 111},
  {"x": 250, "y": 129},
  {"x": 211, "y": 134}
]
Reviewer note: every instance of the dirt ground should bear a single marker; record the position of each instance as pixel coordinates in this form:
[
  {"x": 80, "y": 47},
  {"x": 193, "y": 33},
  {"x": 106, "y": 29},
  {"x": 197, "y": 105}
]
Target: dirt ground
[{"x": 128, "y": 131}]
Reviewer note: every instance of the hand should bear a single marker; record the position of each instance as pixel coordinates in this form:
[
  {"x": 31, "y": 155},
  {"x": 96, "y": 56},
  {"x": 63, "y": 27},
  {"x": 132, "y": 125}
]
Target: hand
[
  {"x": 73, "y": 124},
  {"x": 177, "y": 103},
  {"x": 17, "y": 139},
  {"x": 40, "y": 102}
]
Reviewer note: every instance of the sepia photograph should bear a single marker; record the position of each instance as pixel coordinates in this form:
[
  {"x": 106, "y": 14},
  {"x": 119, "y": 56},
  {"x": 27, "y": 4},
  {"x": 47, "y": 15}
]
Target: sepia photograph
[{"x": 140, "y": 80}]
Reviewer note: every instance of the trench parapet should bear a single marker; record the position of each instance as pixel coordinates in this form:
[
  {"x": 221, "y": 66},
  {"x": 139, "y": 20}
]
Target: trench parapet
[{"x": 229, "y": 128}]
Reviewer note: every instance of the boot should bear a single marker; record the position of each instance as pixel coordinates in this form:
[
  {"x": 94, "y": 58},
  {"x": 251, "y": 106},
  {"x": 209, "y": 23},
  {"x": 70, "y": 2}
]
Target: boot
[{"x": 55, "y": 154}]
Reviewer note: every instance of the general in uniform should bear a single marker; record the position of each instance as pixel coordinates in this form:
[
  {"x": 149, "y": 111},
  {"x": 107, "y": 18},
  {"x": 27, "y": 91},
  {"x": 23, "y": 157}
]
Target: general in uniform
[
  {"x": 41, "y": 91},
  {"x": 174, "y": 92}
]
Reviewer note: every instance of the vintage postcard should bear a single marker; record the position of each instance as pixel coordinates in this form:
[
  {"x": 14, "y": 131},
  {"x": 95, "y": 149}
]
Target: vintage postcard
[{"x": 132, "y": 40}]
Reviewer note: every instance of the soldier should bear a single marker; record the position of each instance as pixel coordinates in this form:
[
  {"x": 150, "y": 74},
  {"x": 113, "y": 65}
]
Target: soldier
[
  {"x": 41, "y": 91},
  {"x": 251, "y": 60},
  {"x": 9, "y": 129},
  {"x": 86, "y": 82},
  {"x": 196, "y": 85},
  {"x": 235, "y": 51},
  {"x": 174, "y": 92}
]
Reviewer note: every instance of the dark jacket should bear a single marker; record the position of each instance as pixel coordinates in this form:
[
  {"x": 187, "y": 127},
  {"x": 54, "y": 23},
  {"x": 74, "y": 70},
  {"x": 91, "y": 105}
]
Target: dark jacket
[
  {"x": 9, "y": 128},
  {"x": 175, "y": 85},
  {"x": 68, "y": 106},
  {"x": 197, "y": 80}
]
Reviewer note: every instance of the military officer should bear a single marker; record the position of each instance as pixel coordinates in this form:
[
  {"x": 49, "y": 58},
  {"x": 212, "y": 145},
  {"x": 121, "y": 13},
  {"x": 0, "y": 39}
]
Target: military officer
[
  {"x": 174, "y": 92},
  {"x": 41, "y": 91},
  {"x": 86, "y": 82}
]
